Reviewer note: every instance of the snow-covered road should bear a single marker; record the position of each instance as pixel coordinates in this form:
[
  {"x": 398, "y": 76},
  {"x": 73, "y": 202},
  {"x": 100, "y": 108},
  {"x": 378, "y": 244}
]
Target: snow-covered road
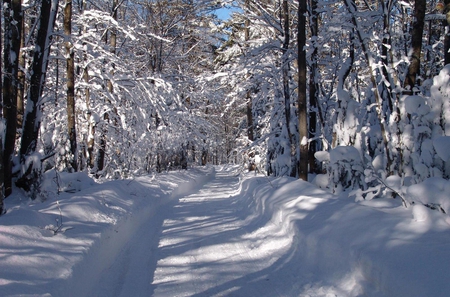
[
  {"x": 208, "y": 244},
  {"x": 215, "y": 231}
]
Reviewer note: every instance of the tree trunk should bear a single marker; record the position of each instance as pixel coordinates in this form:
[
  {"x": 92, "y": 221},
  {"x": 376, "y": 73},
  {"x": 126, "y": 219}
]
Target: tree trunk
[
  {"x": 113, "y": 42},
  {"x": 13, "y": 31},
  {"x": 22, "y": 81},
  {"x": 102, "y": 149},
  {"x": 351, "y": 6},
  {"x": 416, "y": 44},
  {"x": 314, "y": 145},
  {"x": 39, "y": 65},
  {"x": 2, "y": 178},
  {"x": 91, "y": 122},
  {"x": 106, "y": 117},
  {"x": 2, "y": 175},
  {"x": 70, "y": 83},
  {"x": 204, "y": 157},
  {"x": 302, "y": 99},
  {"x": 90, "y": 118},
  {"x": 248, "y": 95},
  {"x": 385, "y": 54},
  {"x": 249, "y": 117},
  {"x": 286, "y": 89},
  {"x": 447, "y": 33}
]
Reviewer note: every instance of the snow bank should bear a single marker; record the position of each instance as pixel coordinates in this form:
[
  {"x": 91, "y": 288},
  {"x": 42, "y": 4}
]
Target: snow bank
[
  {"x": 442, "y": 146},
  {"x": 416, "y": 105},
  {"x": 433, "y": 192},
  {"x": 91, "y": 221},
  {"x": 342, "y": 248}
]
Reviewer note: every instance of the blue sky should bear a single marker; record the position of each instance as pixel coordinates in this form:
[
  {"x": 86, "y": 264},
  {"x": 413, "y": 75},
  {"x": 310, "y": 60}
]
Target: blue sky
[{"x": 223, "y": 13}]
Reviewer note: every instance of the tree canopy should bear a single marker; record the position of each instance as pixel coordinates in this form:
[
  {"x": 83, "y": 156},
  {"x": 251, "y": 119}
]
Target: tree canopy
[{"x": 353, "y": 93}]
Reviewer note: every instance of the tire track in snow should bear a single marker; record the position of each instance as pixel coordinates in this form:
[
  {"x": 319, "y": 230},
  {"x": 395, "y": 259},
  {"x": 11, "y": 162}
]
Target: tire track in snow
[
  {"x": 208, "y": 247},
  {"x": 210, "y": 243}
]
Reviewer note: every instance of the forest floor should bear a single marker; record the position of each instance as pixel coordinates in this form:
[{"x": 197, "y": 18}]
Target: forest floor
[{"x": 216, "y": 231}]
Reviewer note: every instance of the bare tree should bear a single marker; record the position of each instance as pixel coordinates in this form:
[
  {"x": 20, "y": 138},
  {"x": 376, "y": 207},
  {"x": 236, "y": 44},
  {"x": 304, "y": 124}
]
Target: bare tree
[
  {"x": 313, "y": 89},
  {"x": 70, "y": 82},
  {"x": 302, "y": 98},
  {"x": 2, "y": 175},
  {"x": 32, "y": 120},
  {"x": 22, "y": 79},
  {"x": 447, "y": 32},
  {"x": 13, "y": 31},
  {"x": 286, "y": 89},
  {"x": 416, "y": 44},
  {"x": 106, "y": 117},
  {"x": 248, "y": 94}
]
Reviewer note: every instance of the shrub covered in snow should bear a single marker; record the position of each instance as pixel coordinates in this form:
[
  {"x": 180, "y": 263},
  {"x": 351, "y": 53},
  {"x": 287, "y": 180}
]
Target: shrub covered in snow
[
  {"x": 416, "y": 149},
  {"x": 344, "y": 169}
]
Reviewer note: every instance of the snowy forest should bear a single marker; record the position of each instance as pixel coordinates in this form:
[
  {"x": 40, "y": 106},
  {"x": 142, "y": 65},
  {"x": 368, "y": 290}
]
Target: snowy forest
[{"x": 351, "y": 94}]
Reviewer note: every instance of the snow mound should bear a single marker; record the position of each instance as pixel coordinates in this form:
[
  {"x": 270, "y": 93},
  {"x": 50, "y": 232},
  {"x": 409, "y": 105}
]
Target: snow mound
[
  {"x": 442, "y": 146},
  {"x": 370, "y": 248},
  {"x": 433, "y": 192},
  {"x": 420, "y": 213},
  {"x": 416, "y": 105}
]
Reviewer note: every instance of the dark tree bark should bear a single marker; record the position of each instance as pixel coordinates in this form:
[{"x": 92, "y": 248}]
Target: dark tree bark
[
  {"x": 447, "y": 35},
  {"x": 204, "y": 157},
  {"x": 13, "y": 31},
  {"x": 106, "y": 118},
  {"x": 2, "y": 180},
  {"x": 39, "y": 65},
  {"x": 2, "y": 175},
  {"x": 90, "y": 141},
  {"x": 302, "y": 98},
  {"x": 416, "y": 44},
  {"x": 22, "y": 81},
  {"x": 286, "y": 89},
  {"x": 92, "y": 123},
  {"x": 249, "y": 117},
  {"x": 314, "y": 145},
  {"x": 385, "y": 53},
  {"x": 248, "y": 95},
  {"x": 102, "y": 146},
  {"x": 113, "y": 41},
  {"x": 70, "y": 83}
]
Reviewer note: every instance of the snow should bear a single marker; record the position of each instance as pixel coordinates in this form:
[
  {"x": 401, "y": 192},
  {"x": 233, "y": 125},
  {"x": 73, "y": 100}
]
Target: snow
[
  {"x": 433, "y": 191},
  {"x": 216, "y": 231},
  {"x": 344, "y": 153},
  {"x": 441, "y": 145},
  {"x": 416, "y": 105}
]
